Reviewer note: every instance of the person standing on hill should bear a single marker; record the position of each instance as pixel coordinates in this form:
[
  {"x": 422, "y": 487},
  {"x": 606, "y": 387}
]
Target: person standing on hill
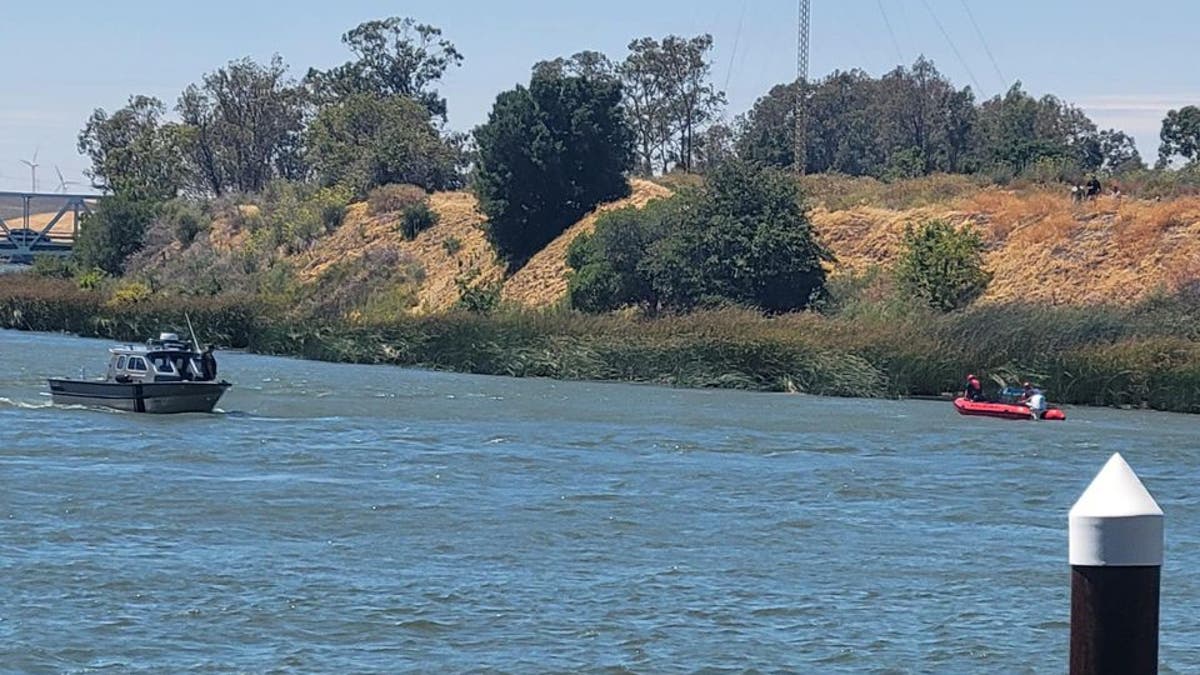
[{"x": 1093, "y": 187}]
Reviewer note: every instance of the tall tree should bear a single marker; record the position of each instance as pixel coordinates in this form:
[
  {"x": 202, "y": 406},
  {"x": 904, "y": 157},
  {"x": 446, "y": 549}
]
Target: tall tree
[
  {"x": 244, "y": 125},
  {"x": 669, "y": 97},
  {"x": 547, "y": 155},
  {"x": 692, "y": 99},
  {"x": 393, "y": 57},
  {"x": 590, "y": 64},
  {"x": 646, "y": 101},
  {"x": 1180, "y": 135},
  {"x": 364, "y": 141},
  {"x": 842, "y": 131},
  {"x": 133, "y": 152},
  {"x": 1019, "y": 130}
]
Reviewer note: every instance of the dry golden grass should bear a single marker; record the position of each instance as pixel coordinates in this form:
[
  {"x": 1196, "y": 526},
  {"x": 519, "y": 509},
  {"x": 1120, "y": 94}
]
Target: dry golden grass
[
  {"x": 1042, "y": 246},
  {"x": 542, "y": 282},
  {"x": 459, "y": 221},
  {"x": 63, "y": 229}
]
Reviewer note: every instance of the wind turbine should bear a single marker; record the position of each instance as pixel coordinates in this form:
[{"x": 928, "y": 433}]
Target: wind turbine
[
  {"x": 33, "y": 166},
  {"x": 63, "y": 182}
]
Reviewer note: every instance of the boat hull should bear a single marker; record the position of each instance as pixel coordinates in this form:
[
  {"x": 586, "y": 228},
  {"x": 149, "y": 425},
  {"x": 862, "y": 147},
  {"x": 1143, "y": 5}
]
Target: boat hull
[
  {"x": 1005, "y": 411},
  {"x": 148, "y": 397}
]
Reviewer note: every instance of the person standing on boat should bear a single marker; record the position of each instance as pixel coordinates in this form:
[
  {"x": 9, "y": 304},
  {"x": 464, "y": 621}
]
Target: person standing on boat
[
  {"x": 974, "y": 390},
  {"x": 1034, "y": 400},
  {"x": 208, "y": 365}
]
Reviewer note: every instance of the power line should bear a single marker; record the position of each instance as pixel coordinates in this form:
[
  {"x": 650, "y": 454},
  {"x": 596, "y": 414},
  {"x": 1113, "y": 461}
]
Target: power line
[
  {"x": 954, "y": 47},
  {"x": 983, "y": 41},
  {"x": 737, "y": 38},
  {"x": 888, "y": 22}
]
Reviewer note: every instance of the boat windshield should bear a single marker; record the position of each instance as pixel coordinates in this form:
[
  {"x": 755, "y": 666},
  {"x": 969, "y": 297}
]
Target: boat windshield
[{"x": 163, "y": 364}]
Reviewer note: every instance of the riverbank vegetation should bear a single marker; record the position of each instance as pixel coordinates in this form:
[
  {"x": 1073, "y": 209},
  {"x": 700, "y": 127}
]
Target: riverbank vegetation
[
  {"x": 867, "y": 341},
  {"x": 605, "y": 224}
]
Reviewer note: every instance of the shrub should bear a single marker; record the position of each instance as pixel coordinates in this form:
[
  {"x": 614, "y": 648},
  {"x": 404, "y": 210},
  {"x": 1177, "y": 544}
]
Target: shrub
[
  {"x": 417, "y": 219},
  {"x": 130, "y": 293},
  {"x": 744, "y": 239},
  {"x": 52, "y": 267},
  {"x": 91, "y": 279},
  {"x": 185, "y": 220},
  {"x": 452, "y": 245},
  {"x": 113, "y": 232},
  {"x": 293, "y": 215},
  {"x": 394, "y": 199},
  {"x": 943, "y": 265},
  {"x": 479, "y": 298}
]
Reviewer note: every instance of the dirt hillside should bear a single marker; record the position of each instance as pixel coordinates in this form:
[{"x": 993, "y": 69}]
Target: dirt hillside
[
  {"x": 543, "y": 280},
  {"x": 1042, "y": 246}
]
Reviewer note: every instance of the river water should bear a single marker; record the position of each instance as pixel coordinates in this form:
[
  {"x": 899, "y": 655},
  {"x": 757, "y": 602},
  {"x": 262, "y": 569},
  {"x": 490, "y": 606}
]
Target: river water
[{"x": 348, "y": 519}]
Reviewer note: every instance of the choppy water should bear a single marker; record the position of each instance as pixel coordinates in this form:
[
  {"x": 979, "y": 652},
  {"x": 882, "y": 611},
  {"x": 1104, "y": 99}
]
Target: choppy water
[{"x": 364, "y": 519}]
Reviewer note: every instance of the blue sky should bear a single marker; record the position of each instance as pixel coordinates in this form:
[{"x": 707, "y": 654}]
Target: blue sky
[{"x": 1124, "y": 63}]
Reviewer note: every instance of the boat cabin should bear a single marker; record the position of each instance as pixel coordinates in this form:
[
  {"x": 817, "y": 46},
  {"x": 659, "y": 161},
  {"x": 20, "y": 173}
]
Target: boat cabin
[{"x": 167, "y": 359}]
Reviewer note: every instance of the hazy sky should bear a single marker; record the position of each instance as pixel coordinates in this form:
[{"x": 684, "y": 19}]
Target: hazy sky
[{"x": 1125, "y": 63}]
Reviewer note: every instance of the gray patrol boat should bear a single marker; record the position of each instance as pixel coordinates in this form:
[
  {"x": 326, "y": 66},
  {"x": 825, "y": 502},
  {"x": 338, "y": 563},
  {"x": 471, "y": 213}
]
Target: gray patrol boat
[{"x": 167, "y": 375}]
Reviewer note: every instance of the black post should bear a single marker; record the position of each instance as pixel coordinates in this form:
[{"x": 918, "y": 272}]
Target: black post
[{"x": 1116, "y": 552}]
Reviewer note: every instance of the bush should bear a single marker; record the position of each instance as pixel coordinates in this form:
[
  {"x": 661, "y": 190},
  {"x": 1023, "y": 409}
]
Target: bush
[
  {"x": 479, "y": 298},
  {"x": 130, "y": 293},
  {"x": 452, "y": 245},
  {"x": 293, "y": 215},
  {"x": 394, "y": 199},
  {"x": 52, "y": 267},
  {"x": 744, "y": 239},
  {"x": 91, "y": 280},
  {"x": 942, "y": 265},
  {"x": 115, "y": 230},
  {"x": 417, "y": 219},
  {"x": 185, "y": 220}
]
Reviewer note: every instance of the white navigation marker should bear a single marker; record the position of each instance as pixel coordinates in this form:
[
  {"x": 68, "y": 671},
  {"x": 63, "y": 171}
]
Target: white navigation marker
[
  {"x": 1116, "y": 523},
  {"x": 1116, "y": 551}
]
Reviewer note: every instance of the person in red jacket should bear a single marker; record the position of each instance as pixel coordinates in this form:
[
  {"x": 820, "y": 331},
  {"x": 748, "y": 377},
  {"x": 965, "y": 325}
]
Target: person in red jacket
[{"x": 974, "y": 390}]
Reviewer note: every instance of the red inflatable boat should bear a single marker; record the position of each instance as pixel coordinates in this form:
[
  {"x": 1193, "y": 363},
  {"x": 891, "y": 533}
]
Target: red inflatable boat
[{"x": 1008, "y": 411}]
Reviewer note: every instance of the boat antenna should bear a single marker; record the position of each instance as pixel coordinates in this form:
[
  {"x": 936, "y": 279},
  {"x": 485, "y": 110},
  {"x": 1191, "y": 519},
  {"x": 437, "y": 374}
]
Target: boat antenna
[{"x": 195, "y": 342}]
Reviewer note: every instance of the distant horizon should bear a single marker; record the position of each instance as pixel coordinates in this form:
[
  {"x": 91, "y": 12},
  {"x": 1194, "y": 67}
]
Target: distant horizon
[{"x": 142, "y": 49}]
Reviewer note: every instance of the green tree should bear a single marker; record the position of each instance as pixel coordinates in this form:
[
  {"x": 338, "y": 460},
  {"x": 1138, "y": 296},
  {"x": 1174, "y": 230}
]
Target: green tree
[
  {"x": 646, "y": 101},
  {"x": 670, "y": 97},
  {"x": 744, "y": 238},
  {"x": 843, "y": 131},
  {"x": 133, "y": 152},
  {"x": 364, "y": 141},
  {"x": 943, "y": 266},
  {"x": 547, "y": 155},
  {"x": 115, "y": 230},
  {"x": 244, "y": 125},
  {"x": 1019, "y": 131},
  {"x": 590, "y": 64},
  {"x": 1117, "y": 152},
  {"x": 1180, "y": 135},
  {"x": 607, "y": 264},
  {"x": 394, "y": 57}
]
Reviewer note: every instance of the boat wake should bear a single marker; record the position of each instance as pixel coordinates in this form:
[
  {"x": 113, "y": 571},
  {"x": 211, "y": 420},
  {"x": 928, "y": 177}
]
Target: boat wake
[{"x": 25, "y": 405}]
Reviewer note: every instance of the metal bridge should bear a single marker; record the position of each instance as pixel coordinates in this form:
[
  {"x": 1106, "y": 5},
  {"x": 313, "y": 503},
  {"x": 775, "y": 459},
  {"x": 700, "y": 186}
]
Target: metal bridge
[{"x": 40, "y": 224}]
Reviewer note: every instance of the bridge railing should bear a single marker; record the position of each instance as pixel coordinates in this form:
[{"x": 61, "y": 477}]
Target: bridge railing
[{"x": 41, "y": 224}]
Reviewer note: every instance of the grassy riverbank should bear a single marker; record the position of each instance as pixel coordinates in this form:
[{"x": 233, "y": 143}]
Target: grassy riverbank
[{"x": 1146, "y": 354}]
